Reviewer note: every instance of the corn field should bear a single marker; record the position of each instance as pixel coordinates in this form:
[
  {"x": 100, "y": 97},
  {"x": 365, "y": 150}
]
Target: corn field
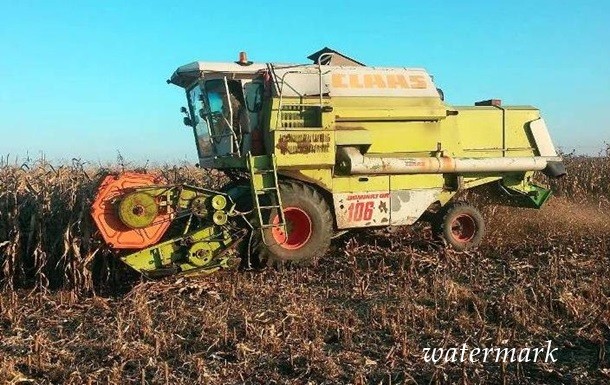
[
  {"x": 71, "y": 314},
  {"x": 47, "y": 237},
  {"x": 588, "y": 177}
]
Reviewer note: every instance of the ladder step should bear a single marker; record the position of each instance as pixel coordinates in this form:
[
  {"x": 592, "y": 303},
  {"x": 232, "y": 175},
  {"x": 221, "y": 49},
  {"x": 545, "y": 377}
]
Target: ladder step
[
  {"x": 265, "y": 190},
  {"x": 271, "y": 226},
  {"x": 270, "y": 207}
]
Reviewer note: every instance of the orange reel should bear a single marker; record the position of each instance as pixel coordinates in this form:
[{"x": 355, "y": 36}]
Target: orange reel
[{"x": 105, "y": 214}]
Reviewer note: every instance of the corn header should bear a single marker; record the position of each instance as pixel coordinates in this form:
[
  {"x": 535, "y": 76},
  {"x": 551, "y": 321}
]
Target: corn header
[{"x": 317, "y": 149}]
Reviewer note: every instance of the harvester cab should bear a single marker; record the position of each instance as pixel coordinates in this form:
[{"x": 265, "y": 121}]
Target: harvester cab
[
  {"x": 224, "y": 106},
  {"x": 317, "y": 149}
]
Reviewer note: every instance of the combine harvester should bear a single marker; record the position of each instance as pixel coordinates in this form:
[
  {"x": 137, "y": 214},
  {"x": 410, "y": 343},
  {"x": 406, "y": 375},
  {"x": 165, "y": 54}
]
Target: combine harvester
[{"x": 314, "y": 150}]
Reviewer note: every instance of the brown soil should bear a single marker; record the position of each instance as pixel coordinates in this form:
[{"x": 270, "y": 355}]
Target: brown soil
[{"x": 363, "y": 315}]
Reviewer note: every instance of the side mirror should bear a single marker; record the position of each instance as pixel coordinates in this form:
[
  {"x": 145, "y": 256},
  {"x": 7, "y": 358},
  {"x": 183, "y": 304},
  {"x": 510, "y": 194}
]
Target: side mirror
[{"x": 187, "y": 119}]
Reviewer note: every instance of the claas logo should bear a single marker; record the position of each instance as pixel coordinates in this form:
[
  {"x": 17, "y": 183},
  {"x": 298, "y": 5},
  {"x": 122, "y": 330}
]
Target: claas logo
[{"x": 396, "y": 81}]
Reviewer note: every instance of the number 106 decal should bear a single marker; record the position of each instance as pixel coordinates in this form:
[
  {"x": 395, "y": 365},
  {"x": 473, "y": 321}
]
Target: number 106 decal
[{"x": 362, "y": 209}]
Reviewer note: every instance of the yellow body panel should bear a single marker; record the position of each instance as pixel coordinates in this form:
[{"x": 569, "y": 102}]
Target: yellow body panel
[
  {"x": 346, "y": 184},
  {"x": 399, "y": 138},
  {"x": 492, "y": 131},
  {"x": 416, "y": 181},
  {"x": 321, "y": 177},
  {"x": 417, "y": 126},
  {"x": 347, "y": 136},
  {"x": 385, "y": 127}
]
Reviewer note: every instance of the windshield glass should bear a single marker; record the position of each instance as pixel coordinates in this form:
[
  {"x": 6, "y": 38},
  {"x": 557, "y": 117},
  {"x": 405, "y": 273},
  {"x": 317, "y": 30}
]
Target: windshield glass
[
  {"x": 198, "y": 110},
  {"x": 220, "y": 110}
]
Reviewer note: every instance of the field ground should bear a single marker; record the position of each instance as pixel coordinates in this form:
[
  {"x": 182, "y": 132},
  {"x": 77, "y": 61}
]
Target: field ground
[{"x": 363, "y": 315}]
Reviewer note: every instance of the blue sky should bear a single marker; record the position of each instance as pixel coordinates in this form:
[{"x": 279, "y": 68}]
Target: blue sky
[{"x": 86, "y": 79}]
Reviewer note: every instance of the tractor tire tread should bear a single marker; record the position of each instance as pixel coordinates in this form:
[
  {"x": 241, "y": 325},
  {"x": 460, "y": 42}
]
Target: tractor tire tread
[
  {"x": 264, "y": 256},
  {"x": 444, "y": 225}
]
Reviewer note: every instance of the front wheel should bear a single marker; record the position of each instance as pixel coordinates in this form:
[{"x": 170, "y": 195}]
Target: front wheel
[
  {"x": 309, "y": 227},
  {"x": 462, "y": 226}
]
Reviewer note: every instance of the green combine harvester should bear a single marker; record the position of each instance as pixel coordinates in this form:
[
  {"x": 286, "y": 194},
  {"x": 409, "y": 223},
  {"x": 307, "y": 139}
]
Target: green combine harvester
[{"x": 314, "y": 150}]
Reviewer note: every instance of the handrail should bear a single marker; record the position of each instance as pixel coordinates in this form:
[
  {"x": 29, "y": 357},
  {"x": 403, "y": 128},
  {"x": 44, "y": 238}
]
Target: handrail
[
  {"x": 327, "y": 54},
  {"x": 230, "y": 121},
  {"x": 281, "y": 90},
  {"x": 279, "y": 108}
]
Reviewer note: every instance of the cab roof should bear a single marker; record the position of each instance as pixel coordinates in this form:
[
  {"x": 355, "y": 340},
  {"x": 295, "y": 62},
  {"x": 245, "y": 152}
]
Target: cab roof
[{"x": 185, "y": 75}]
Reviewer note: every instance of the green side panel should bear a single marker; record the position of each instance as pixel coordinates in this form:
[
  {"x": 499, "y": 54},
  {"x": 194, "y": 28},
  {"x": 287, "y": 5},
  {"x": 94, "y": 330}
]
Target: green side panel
[
  {"x": 528, "y": 194},
  {"x": 541, "y": 195}
]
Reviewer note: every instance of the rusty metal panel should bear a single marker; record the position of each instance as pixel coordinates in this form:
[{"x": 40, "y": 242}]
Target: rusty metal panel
[
  {"x": 304, "y": 147},
  {"x": 408, "y": 205},
  {"x": 362, "y": 209}
]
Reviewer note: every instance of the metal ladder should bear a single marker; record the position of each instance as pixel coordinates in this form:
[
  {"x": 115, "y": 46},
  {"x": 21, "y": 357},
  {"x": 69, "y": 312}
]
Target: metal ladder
[{"x": 264, "y": 184}]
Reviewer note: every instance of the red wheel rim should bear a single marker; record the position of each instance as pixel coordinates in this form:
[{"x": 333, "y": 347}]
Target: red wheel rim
[
  {"x": 463, "y": 228},
  {"x": 298, "y": 225}
]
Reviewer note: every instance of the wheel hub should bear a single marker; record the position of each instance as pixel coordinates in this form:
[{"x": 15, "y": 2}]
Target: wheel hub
[
  {"x": 298, "y": 226},
  {"x": 463, "y": 228},
  {"x": 138, "y": 210}
]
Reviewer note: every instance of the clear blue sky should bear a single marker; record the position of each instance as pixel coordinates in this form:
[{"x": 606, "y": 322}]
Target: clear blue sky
[{"x": 87, "y": 78}]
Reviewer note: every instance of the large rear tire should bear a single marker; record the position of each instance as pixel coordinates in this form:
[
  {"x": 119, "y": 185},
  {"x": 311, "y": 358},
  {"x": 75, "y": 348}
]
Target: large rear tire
[{"x": 309, "y": 224}]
